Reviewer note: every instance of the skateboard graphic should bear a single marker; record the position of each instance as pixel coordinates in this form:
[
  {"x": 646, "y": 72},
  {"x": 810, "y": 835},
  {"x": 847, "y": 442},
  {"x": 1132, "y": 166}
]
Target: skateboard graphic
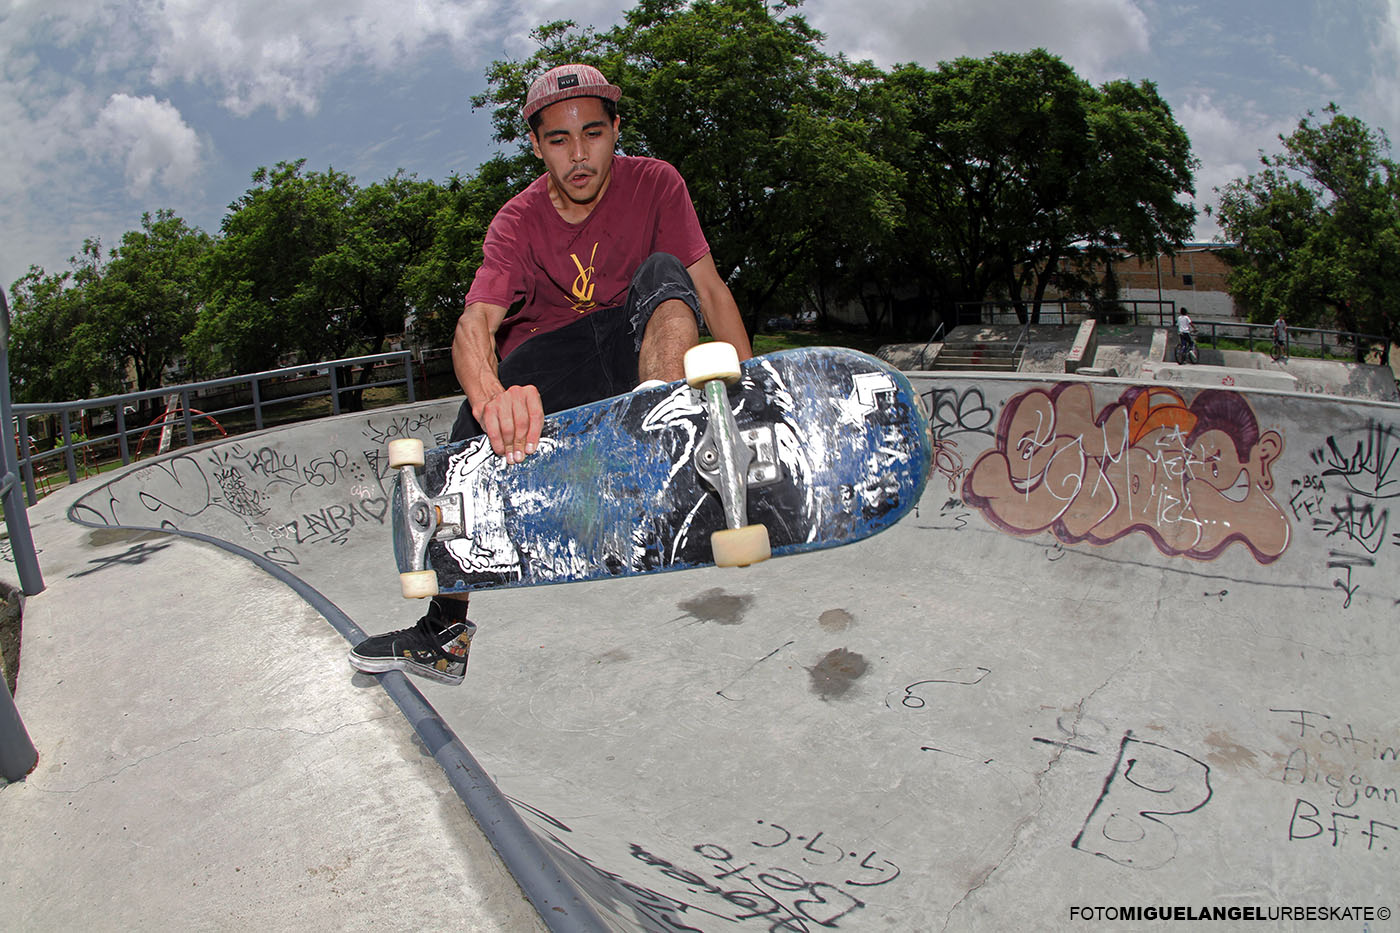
[{"x": 790, "y": 452}]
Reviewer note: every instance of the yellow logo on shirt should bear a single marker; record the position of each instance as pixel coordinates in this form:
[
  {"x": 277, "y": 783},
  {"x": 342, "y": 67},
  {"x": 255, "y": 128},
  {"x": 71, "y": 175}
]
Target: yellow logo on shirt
[{"x": 583, "y": 284}]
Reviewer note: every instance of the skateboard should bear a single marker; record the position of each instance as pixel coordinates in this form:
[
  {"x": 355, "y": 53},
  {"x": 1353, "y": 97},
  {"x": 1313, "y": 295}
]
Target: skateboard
[{"x": 790, "y": 452}]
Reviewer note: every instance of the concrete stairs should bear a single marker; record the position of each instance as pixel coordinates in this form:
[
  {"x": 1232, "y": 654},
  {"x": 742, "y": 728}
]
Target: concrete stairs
[{"x": 978, "y": 356}]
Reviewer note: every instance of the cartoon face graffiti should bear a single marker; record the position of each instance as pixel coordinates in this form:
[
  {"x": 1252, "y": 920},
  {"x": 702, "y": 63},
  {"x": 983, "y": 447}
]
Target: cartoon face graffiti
[
  {"x": 1194, "y": 478},
  {"x": 485, "y": 547},
  {"x": 1231, "y": 477}
]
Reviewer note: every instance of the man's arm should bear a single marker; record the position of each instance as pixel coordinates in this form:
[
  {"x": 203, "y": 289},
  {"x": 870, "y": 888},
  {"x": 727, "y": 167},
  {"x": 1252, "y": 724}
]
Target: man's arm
[
  {"x": 717, "y": 306},
  {"x": 512, "y": 418}
]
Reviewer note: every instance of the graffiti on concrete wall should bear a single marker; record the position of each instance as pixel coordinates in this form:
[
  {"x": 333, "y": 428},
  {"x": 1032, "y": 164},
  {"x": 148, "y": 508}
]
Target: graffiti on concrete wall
[
  {"x": 1343, "y": 789},
  {"x": 772, "y": 878},
  {"x": 1131, "y": 822},
  {"x": 272, "y": 500},
  {"x": 1194, "y": 477},
  {"x": 1343, "y": 499},
  {"x": 954, "y": 416}
]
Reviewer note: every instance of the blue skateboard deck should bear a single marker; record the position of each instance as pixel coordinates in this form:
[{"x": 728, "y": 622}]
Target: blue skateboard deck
[{"x": 613, "y": 490}]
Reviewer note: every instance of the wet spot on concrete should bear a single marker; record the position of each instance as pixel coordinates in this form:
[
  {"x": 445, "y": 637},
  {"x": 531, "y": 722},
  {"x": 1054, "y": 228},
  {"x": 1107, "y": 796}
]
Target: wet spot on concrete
[
  {"x": 717, "y": 606},
  {"x": 834, "y": 675},
  {"x": 835, "y": 620},
  {"x": 105, "y": 536}
]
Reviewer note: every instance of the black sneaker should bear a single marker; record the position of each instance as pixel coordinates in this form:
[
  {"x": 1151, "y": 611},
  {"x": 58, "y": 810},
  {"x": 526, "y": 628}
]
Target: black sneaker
[{"x": 428, "y": 650}]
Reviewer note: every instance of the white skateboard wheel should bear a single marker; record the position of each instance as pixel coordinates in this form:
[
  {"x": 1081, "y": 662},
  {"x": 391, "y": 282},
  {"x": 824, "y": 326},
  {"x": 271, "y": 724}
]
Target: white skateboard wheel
[
  {"x": 418, "y": 584},
  {"x": 405, "y": 451},
  {"x": 715, "y": 360},
  {"x": 739, "y": 547}
]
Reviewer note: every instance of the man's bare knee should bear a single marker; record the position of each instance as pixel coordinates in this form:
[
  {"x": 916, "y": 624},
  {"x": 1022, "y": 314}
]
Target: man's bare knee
[{"x": 669, "y": 333}]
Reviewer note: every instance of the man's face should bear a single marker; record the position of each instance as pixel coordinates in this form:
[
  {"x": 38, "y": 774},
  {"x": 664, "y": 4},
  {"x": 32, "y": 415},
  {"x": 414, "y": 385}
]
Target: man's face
[{"x": 576, "y": 141}]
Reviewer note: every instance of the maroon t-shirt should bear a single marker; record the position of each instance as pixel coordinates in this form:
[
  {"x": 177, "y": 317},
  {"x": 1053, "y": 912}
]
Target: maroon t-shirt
[{"x": 565, "y": 270}]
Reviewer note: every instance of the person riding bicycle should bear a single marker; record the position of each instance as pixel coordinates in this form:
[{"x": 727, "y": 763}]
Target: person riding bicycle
[{"x": 1185, "y": 333}]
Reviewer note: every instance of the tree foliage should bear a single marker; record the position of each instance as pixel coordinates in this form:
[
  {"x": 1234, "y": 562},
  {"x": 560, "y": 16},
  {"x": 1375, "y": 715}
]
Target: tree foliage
[
  {"x": 265, "y": 300},
  {"x": 1013, "y": 165},
  {"x": 313, "y": 267},
  {"x": 436, "y": 285},
  {"x": 52, "y": 352},
  {"x": 77, "y": 333},
  {"x": 1317, "y": 230},
  {"x": 147, "y": 298}
]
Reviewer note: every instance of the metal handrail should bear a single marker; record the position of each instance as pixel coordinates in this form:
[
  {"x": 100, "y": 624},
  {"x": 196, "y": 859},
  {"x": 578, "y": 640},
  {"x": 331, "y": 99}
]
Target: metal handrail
[
  {"x": 1024, "y": 336},
  {"x": 1295, "y": 336},
  {"x": 1072, "y": 310},
  {"x": 17, "y": 753},
  {"x": 938, "y": 332},
  {"x": 71, "y": 447}
]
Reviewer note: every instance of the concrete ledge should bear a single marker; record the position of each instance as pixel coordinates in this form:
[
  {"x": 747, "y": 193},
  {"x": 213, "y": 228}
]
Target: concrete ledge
[
  {"x": 1159, "y": 346},
  {"x": 1228, "y": 376},
  {"x": 1086, "y": 343}
]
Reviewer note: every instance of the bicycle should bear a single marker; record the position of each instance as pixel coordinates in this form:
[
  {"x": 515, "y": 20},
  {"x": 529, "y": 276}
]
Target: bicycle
[{"x": 1186, "y": 349}]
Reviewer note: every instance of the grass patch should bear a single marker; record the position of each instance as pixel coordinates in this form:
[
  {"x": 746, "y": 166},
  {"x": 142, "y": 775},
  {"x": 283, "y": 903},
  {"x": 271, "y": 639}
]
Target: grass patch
[{"x": 793, "y": 339}]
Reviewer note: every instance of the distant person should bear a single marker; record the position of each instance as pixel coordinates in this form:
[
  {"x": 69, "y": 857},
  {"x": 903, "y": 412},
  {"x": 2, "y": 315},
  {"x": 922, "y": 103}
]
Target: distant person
[
  {"x": 605, "y": 254},
  {"x": 1185, "y": 335},
  {"x": 1280, "y": 350}
]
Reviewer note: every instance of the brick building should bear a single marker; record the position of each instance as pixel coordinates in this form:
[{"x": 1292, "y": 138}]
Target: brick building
[{"x": 1194, "y": 278}]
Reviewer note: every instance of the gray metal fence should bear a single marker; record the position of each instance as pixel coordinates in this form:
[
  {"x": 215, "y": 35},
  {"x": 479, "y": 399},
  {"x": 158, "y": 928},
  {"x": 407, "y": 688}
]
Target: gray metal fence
[
  {"x": 1334, "y": 344},
  {"x": 17, "y": 753},
  {"x": 77, "y": 439}
]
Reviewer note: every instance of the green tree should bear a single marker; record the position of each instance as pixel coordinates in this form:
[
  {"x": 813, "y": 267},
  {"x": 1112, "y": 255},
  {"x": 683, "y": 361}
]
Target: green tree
[
  {"x": 388, "y": 227},
  {"x": 436, "y": 283},
  {"x": 1317, "y": 231},
  {"x": 1012, "y": 164},
  {"x": 263, "y": 300},
  {"x": 147, "y": 297},
  {"x": 52, "y": 351}
]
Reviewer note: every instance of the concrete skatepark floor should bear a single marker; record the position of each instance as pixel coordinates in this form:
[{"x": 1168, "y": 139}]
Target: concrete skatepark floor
[{"x": 1136, "y": 647}]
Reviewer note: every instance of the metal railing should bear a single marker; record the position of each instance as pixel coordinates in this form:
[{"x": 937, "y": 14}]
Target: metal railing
[
  {"x": 1327, "y": 343},
  {"x": 1136, "y": 311},
  {"x": 17, "y": 753},
  {"x": 937, "y": 332},
  {"x": 1142, "y": 312},
  {"x": 1021, "y": 341},
  {"x": 255, "y": 393}
]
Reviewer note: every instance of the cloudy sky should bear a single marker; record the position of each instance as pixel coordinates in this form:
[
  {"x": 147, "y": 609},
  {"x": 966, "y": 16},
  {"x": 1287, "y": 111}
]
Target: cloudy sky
[{"x": 112, "y": 108}]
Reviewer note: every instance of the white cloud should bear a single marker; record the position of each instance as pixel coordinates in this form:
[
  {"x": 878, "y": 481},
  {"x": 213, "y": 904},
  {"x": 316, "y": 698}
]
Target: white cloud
[
  {"x": 1089, "y": 34},
  {"x": 150, "y": 139},
  {"x": 87, "y": 127},
  {"x": 520, "y": 19},
  {"x": 282, "y": 54},
  {"x": 1383, "y": 93},
  {"x": 1228, "y": 144}
]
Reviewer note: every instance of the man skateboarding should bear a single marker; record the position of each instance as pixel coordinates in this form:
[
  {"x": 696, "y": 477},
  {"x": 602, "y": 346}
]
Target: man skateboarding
[{"x": 605, "y": 256}]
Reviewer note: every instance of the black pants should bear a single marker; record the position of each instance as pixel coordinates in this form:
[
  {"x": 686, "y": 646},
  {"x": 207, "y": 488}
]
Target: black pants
[{"x": 594, "y": 357}]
